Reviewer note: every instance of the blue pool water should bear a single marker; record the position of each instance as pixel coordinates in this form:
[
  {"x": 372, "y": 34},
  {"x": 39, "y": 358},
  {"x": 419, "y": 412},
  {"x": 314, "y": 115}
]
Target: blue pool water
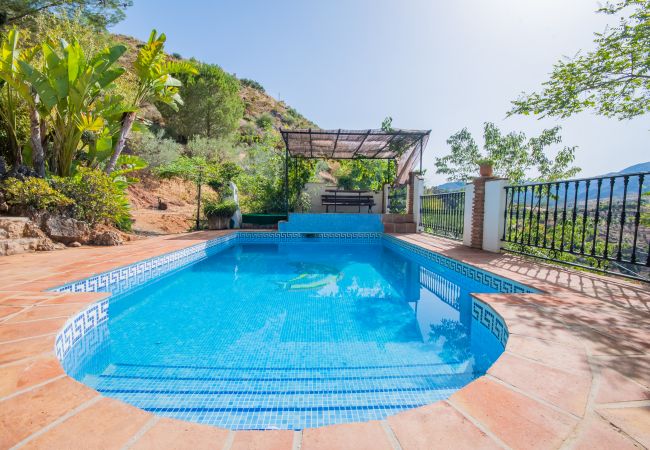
[{"x": 290, "y": 335}]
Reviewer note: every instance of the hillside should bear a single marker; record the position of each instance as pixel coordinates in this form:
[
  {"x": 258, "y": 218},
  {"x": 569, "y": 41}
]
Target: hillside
[
  {"x": 256, "y": 102},
  {"x": 179, "y": 196}
]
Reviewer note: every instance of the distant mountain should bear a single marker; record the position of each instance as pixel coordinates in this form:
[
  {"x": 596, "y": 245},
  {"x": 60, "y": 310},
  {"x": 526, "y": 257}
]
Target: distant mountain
[
  {"x": 632, "y": 187},
  {"x": 619, "y": 184},
  {"x": 452, "y": 186},
  {"x": 617, "y": 192},
  {"x": 641, "y": 167}
]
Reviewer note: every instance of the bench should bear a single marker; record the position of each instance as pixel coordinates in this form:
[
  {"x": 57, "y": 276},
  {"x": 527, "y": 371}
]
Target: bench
[{"x": 347, "y": 198}]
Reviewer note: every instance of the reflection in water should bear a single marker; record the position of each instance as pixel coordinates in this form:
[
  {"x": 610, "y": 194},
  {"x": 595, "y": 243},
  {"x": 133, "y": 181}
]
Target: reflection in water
[{"x": 290, "y": 336}]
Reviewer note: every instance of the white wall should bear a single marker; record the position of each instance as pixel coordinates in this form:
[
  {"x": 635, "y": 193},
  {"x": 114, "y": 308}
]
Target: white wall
[
  {"x": 495, "y": 204},
  {"x": 467, "y": 217}
]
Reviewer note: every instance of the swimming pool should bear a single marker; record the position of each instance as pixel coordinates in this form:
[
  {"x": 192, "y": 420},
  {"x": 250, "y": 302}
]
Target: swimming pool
[{"x": 287, "y": 331}]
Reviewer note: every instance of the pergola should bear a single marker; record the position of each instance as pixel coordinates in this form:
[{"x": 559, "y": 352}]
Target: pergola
[{"x": 403, "y": 146}]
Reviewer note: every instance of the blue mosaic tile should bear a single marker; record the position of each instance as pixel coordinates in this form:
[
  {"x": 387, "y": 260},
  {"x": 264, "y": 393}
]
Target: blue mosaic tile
[{"x": 291, "y": 393}]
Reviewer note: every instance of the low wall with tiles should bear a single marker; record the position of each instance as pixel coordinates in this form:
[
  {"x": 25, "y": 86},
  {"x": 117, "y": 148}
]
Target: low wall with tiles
[
  {"x": 79, "y": 326},
  {"x": 491, "y": 320},
  {"x": 500, "y": 284},
  {"x": 124, "y": 278},
  {"x": 333, "y": 222}
]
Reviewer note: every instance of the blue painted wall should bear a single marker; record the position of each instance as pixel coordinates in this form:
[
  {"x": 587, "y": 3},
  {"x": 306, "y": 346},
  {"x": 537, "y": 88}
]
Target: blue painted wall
[{"x": 316, "y": 223}]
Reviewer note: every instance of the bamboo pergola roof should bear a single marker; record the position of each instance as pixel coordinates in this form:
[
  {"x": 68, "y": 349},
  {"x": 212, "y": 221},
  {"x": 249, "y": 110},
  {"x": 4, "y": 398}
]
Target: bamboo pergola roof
[{"x": 405, "y": 146}]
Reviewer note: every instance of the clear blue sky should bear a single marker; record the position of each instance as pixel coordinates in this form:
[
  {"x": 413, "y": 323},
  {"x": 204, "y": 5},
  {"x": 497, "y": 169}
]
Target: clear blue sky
[{"x": 440, "y": 65}]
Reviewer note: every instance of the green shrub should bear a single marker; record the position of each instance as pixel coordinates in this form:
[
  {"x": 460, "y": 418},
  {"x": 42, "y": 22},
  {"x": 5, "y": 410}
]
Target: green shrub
[
  {"x": 155, "y": 148},
  {"x": 225, "y": 208},
  {"x": 96, "y": 196},
  {"x": 264, "y": 121},
  {"x": 213, "y": 149},
  {"x": 252, "y": 83},
  {"x": 34, "y": 193}
]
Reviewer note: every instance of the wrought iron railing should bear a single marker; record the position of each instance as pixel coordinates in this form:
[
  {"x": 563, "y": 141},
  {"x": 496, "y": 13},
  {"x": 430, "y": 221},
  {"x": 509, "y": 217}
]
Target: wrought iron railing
[
  {"x": 443, "y": 214},
  {"x": 600, "y": 223}
]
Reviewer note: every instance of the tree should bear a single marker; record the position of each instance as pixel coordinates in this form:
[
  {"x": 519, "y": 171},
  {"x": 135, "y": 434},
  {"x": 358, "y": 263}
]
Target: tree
[
  {"x": 70, "y": 90},
  {"x": 371, "y": 174},
  {"x": 155, "y": 83},
  {"x": 613, "y": 80},
  {"x": 14, "y": 73},
  {"x": 212, "y": 107},
  {"x": 514, "y": 156},
  {"x": 99, "y": 13}
]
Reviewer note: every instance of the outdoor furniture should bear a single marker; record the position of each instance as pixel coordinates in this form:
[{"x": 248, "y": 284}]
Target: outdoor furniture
[{"x": 341, "y": 197}]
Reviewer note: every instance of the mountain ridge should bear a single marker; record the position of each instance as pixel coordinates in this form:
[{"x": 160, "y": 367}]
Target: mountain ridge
[{"x": 618, "y": 189}]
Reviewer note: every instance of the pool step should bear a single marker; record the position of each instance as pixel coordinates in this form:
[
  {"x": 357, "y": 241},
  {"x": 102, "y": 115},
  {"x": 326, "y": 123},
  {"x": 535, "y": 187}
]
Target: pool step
[
  {"x": 399, "y": 223},
  {"x": 242, "y": 397}
]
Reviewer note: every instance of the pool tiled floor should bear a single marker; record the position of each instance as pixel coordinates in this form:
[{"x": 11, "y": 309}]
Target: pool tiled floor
[{"x": 575, "y": 373}]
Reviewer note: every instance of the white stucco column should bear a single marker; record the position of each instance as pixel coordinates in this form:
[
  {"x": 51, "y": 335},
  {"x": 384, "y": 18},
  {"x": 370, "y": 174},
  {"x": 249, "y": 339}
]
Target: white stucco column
[
  {"x": 467, "y": 217},
  {"x": 385, "y": 205},
  {"x": 418, "y": 191},
  {"x": 495, "y": 204}
]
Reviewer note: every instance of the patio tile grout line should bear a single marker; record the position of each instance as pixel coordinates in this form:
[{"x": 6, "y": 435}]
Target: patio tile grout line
[
  {"x": 13, "y": 341},
  {"x": 532, "y": 397},
  {"x": 297, "y": 440},
  {"x": 542, "y": 363},
  {"x": 151, "y": 422},
  {"x": 58, "y": 421},
  {"x": 478, "y": 424},
  {"x": 628, "y": 404},
  {"x": 589, "y": 410},
  {"x": 392, "y": 438},
  {"x": 227, "y": 445},
  {"x": 27, "y": 358},
  {"x": 31, "y": 388}
]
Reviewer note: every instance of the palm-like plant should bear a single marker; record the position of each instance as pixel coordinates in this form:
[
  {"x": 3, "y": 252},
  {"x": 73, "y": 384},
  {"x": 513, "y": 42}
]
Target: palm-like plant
[
  {"x": 15, "y": 87},
  {"x": 69, "y": 88},
  {"x": 155, "y": 82}
]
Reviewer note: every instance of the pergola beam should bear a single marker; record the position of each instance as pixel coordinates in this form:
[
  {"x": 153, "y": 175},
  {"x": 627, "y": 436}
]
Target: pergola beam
[
  {"x": 385, "y": 146},
  {"x": 336, "y": 142},
  {"x": 361, "y": 145}
]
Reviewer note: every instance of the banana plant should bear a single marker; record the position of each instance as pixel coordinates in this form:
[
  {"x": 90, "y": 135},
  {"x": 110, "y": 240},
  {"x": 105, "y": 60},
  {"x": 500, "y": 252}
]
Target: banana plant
[
  {"x": 16, "y": 88},
  {"x": 69, "y": 88},
  {"x": 155, "y": 83}
]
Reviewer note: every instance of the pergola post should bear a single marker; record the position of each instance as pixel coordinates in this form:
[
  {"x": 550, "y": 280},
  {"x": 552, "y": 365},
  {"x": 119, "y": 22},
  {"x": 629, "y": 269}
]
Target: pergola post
[
  {"x": 421, "y": 139},
  {"x": 286, "y": 180}
]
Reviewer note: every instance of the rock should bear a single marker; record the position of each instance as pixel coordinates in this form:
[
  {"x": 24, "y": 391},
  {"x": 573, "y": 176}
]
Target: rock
[
  {"x": 66, "y": 230},
  {"x": 20, "y": 235},
  {"x": 4, "y": 207},
  {"x": 13, "y": 227},
  {"x": 106, "y": 238},
  {"x": 16, "y": 246},
  {"x": 47, "y": 245},
  {"x": 74, "y": 244}
]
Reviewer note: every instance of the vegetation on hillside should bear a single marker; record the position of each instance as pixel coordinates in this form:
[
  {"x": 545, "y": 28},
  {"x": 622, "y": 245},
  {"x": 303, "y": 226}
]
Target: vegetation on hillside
[{"x": 77, "y": 102}]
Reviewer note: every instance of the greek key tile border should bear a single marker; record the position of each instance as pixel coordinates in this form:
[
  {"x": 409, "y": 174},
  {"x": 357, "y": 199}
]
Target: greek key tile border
[
  {"x": 286, "y": 236},
  {"x": 124, "y": 278},
  {"x": 487, "y": 317},
  {"x": 496, "y": 282},
  {"x": 121, "y": 279},
  {"x": 78, "y": 326}
]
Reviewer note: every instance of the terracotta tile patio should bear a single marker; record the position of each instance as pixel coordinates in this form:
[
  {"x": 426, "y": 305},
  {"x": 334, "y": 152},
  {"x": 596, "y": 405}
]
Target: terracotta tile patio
[{"x": 575, "y": 373}]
